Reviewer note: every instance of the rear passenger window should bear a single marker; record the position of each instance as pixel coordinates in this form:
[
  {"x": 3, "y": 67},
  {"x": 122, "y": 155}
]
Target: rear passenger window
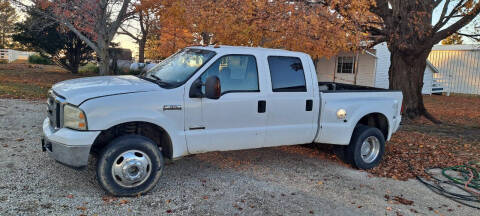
[{"x": 287, "y": 74}]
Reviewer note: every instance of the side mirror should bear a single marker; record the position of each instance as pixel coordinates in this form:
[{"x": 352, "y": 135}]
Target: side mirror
[
  {"x": 196, "y": 89},
  {"x": 212, "y": 87}
]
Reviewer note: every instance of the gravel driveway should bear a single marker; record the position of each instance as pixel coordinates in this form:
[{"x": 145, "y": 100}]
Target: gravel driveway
[{"x": 294, "y": 180}]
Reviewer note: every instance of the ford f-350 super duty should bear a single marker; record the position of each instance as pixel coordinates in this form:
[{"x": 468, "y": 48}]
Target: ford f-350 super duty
[{"x": 213, "y": 98}]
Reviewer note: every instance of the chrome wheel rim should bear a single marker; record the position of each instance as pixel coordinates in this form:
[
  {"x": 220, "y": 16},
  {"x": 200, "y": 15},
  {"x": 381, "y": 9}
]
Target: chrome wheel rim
[
  {"x": 131, "y": 168},
  {"x": 370, "y": 149}
]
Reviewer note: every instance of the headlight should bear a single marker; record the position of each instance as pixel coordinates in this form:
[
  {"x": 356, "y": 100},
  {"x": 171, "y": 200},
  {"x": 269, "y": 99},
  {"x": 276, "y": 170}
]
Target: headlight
[{"x": 74, "y": 118}]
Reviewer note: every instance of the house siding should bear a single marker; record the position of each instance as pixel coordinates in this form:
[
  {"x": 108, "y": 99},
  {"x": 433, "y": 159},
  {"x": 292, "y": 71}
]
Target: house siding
[
  {"x": 459, "y": 68},
  {"x": 383, "y": 65},
  {"x": 427, "y": 80},
  {"x": 327, "y": 70}
]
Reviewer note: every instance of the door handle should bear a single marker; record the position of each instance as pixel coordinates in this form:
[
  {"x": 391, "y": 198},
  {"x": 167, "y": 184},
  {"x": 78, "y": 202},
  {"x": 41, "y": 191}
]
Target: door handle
[
  {"x": 262, "y": 106},
  {"x": 309, "y": 105}
]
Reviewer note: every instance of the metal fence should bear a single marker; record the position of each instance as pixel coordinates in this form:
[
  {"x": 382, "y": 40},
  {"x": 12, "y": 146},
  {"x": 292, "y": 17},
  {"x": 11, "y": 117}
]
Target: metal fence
[{"x": 12, "y": 55}]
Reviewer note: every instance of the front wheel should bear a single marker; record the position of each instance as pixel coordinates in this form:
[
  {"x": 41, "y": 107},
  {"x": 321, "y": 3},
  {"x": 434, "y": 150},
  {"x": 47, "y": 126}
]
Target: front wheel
[
  {"x": 366, "y": 147},
  {"x": 130, "y": 165}
]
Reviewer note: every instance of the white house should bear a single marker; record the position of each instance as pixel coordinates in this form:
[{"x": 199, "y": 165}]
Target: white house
[
  {"x": 458, "y": 66},
  {"x": 368, "y": 68}
]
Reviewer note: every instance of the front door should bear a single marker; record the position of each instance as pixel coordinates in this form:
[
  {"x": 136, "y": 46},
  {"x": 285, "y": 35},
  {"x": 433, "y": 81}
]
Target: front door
[{"x": 235, "y": 120}]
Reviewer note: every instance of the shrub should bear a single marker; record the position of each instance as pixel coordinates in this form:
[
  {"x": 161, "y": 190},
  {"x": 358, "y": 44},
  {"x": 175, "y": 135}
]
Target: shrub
[
  {"x": 89, "y": 68},
  {"x": 38, "y": 59},
  {"x": 134, "y": 72}
]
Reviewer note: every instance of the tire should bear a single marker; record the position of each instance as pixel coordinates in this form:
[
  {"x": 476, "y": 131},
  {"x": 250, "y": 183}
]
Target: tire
[
  {"x": 129, "y": 165},
  {"x": 373, "y": 151}
]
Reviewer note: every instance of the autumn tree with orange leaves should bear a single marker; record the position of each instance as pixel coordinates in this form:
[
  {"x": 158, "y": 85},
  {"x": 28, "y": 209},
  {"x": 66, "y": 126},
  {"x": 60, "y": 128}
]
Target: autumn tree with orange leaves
[
  {"x": 406, "y": 26},
  {"x": 299, "y": 26},
  {"x": 141, "y": 24},
  {"x": 95, "y": 22},
  {"x": 173, "y": 31}
]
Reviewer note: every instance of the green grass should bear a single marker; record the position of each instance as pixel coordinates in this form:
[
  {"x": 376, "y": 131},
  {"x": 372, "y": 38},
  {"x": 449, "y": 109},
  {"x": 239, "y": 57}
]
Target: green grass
[{"x": 21, "y": 90}]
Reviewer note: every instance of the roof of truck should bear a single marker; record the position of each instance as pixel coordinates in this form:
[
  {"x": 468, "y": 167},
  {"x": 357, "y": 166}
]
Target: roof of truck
[{"x": 233, "y": 49}]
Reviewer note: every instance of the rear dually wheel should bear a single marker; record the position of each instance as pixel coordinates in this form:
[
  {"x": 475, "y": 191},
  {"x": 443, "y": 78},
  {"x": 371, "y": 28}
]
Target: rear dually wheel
[{"x": 366, "y": 147}]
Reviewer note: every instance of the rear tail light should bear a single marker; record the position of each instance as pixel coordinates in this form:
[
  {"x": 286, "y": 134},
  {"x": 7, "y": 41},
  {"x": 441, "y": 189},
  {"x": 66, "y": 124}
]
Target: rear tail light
[{"x": 401, "y": 109}]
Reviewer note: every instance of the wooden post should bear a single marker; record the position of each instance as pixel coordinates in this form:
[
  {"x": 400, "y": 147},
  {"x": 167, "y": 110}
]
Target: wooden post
[{"x": 355, "y": 68}]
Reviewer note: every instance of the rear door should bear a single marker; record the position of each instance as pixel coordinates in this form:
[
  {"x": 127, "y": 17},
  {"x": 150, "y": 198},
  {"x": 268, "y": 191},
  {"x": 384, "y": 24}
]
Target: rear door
[
  {"x": 234, "y": 121},
  {"x": 290, "y": 115}
]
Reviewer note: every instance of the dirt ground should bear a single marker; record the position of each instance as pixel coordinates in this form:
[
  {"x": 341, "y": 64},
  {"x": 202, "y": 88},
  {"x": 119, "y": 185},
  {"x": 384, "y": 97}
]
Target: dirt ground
[{"x": 293, "y": 180}]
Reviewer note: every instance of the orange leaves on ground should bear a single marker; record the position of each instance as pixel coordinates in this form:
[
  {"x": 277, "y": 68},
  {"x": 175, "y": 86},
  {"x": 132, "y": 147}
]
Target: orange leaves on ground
[
  {"x": 109, "y": 199},
  {"x": 421, "y": 144}
]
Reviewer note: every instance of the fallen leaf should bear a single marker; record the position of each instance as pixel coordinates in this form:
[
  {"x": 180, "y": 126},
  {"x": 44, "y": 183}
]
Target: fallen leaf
[
  {"x": 83, "y": 208},
  {"x": 70, "y": 196},
  {"x": 123, "y": 202},
  {"x": 205, "y": 197},
  {"x": 20, "y": 139},
  {"x": 109, "y": 199},
  {"x": 389, "y": 208},
  {"x": 320, "y": 182},
  {"x": 402, "y": 200}
]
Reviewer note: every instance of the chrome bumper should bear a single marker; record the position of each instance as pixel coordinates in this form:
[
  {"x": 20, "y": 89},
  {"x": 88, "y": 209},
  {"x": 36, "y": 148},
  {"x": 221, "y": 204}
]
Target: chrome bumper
[{"x": 67, "y": 146}]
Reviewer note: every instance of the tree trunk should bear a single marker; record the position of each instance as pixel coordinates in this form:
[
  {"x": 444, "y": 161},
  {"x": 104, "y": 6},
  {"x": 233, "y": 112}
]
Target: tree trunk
[
  {"x": 406, "y": 74},
  {"x": 104, "y": 63},
  {"x": 206, "y": 38},
  {"x": 3, "y": 41},
  {"x": 141, "y": 50}
]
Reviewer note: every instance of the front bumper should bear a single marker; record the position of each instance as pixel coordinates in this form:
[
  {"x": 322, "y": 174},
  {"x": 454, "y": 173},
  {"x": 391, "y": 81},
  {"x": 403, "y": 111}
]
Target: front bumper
[{"x": 67, "y": 146}]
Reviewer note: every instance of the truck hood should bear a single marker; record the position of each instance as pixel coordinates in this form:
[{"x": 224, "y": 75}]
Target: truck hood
[{"x": 77, "y": 91}]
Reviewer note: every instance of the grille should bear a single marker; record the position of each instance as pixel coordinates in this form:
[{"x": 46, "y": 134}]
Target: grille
[{"x": 53, "y": 110}]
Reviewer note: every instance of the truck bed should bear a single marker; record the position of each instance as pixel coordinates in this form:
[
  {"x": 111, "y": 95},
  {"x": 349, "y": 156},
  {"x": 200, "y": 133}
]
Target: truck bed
[
  {"x": 342, "y": 87},
  {"x": 358, "y": 102}
]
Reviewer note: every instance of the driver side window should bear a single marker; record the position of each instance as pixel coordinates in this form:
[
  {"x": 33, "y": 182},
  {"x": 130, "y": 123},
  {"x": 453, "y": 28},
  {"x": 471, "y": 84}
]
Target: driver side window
[{"x": 237, "y": 73}]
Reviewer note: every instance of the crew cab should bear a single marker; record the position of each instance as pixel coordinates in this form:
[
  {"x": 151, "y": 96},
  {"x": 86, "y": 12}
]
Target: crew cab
[{"x": 212, "y": 98}]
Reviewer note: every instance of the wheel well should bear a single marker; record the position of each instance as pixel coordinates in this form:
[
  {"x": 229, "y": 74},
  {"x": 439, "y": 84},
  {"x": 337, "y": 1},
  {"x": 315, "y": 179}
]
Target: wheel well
[
  {"x": 152, "y": 131},
  {"x": 377, "y": 120}
]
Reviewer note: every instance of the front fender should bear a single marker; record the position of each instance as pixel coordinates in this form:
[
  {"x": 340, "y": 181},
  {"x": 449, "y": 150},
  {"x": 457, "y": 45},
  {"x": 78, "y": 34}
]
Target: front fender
[{"x": 106, "y": 112}]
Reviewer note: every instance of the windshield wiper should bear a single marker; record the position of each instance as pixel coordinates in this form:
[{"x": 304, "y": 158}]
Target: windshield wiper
[{"x": 159, "y": 81}]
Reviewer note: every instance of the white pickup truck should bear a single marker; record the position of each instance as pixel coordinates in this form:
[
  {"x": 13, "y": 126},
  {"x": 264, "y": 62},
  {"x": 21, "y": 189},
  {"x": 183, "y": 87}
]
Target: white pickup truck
[{"x": 204, "y": 99}]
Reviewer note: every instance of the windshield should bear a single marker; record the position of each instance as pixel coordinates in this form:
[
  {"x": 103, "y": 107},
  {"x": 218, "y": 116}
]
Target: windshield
[{"x": 176, "y": 69}]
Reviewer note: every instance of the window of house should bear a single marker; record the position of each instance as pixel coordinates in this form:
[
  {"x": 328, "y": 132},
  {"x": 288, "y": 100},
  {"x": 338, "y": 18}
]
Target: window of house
[
  {"x": 346, "y": 64},
  {"x": 287, "y": 74},
  {"x": 237, "y": 73}
]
